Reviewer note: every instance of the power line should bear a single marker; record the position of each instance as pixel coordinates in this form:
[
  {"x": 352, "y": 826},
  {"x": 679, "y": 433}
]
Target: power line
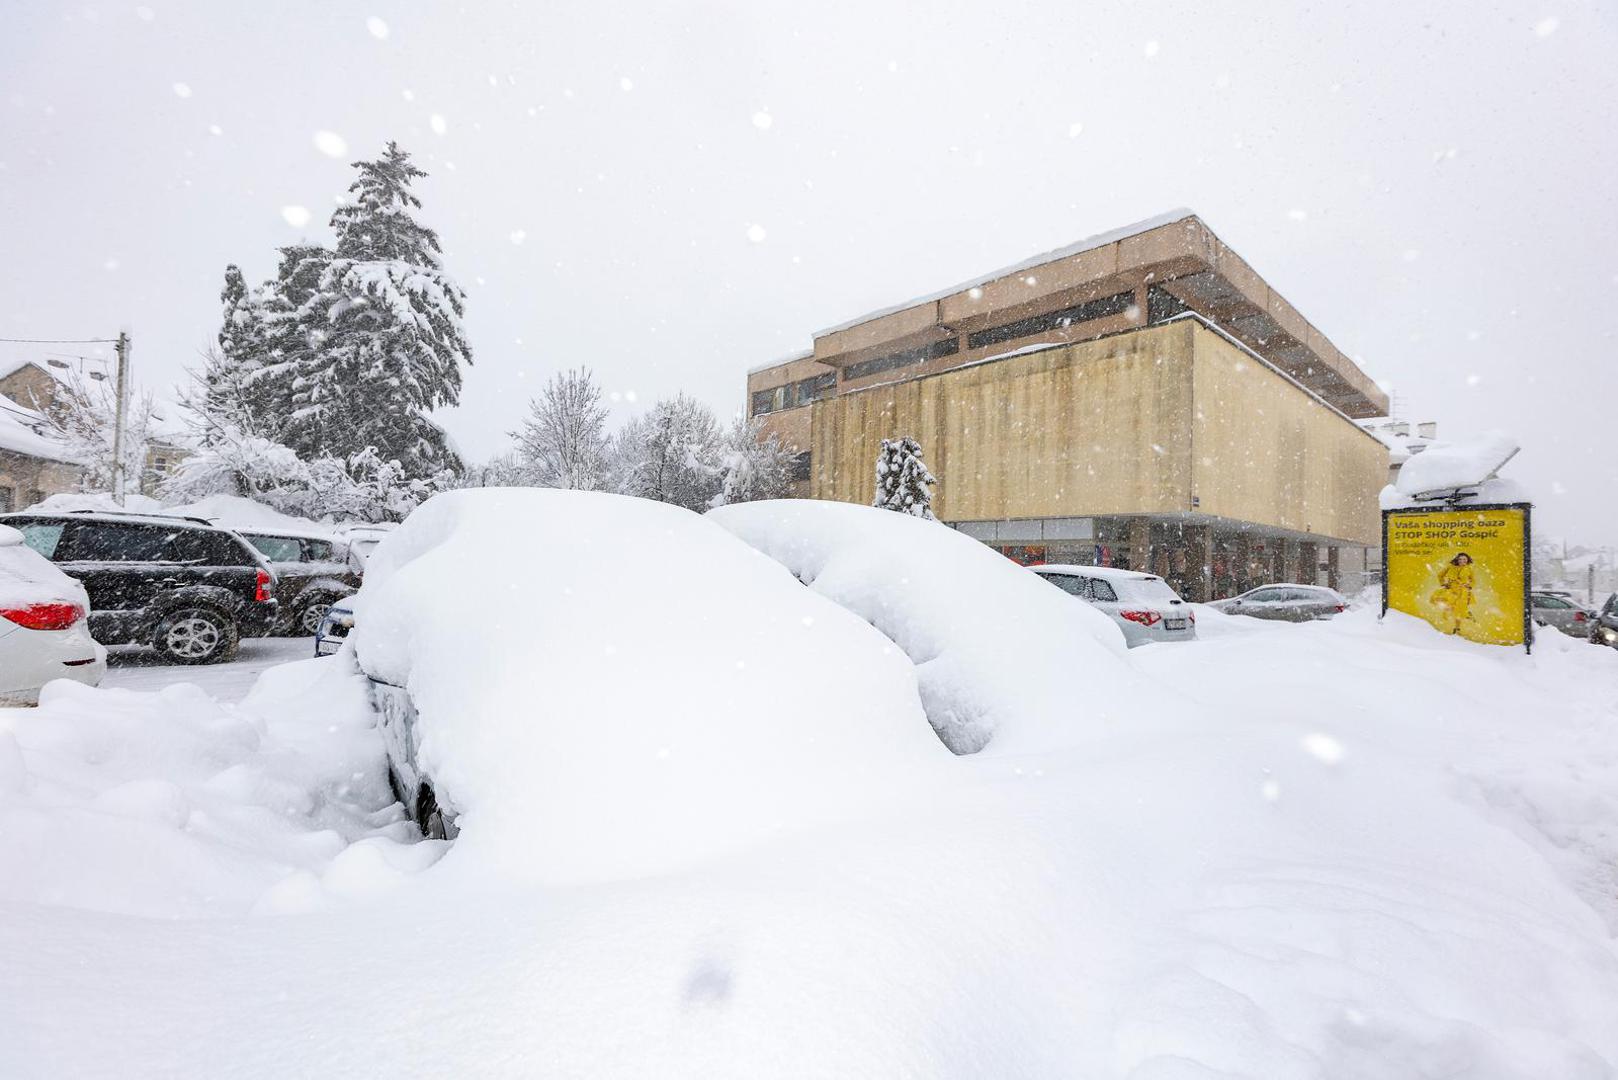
[{"x": 60, "y": 341}]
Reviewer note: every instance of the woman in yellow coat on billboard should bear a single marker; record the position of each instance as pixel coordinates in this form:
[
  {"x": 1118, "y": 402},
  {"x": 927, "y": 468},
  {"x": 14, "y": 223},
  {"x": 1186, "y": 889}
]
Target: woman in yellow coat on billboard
[{"x": 1454, "y": 594}]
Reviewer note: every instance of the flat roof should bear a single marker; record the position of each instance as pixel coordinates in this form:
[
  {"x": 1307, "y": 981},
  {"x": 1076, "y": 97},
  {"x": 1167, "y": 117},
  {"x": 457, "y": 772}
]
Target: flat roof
[{"x": 1174, "y": 252}]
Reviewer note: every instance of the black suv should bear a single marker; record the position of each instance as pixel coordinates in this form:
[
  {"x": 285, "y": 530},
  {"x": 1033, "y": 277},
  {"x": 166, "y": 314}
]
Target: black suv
[{"x": 186, "y": 588}]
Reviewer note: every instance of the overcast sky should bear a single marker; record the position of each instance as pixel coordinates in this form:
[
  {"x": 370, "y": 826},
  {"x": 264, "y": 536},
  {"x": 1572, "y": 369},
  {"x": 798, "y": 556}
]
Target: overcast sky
[{"x": 674, "y": 193}]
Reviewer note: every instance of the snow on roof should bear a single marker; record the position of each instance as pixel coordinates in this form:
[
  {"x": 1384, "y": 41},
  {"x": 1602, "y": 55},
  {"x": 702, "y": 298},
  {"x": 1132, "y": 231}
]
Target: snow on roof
[
  {"x": 1099, "y": 240},
  {"x": 19, "y": 434},
  {"x": 1444, "y": 466}
]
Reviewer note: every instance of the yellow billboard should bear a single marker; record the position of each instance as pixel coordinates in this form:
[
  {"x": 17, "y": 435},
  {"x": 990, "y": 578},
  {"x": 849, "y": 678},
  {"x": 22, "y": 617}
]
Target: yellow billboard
[{"x": 1464, "y": 570}]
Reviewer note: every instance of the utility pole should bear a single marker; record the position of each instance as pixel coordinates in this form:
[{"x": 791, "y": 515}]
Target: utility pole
[{"x": 118, "y": 419}]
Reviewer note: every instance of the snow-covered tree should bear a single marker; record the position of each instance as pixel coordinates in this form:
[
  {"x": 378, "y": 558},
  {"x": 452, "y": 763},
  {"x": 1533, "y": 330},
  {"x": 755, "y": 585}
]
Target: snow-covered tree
[
  {"x": 902, "y": 480},
  {"x": 82, "y": 419},
  {"x": 234, "y": 463},
  {"x": 754, "y": 465},
  {"x": 385, "y": 338},
  {"x": 671, "y": 454},
  {"x": 564, "y": 439}
]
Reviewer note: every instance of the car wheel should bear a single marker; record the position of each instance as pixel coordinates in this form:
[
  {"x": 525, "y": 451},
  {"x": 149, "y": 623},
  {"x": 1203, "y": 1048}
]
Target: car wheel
[
  {"x": 196, "y": 635},
  {"x": 430, "y": 816},
  {"x": 311, "y": 615}
]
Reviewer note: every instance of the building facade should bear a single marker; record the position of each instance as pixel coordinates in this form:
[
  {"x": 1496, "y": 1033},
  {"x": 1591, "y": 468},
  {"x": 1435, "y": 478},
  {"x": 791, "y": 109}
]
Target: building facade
[{"x": 1142, "y": 399}]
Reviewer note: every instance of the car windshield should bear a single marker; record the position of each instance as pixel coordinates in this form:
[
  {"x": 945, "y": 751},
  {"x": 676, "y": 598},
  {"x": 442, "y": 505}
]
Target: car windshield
[{"x": 1146, "y": 590}]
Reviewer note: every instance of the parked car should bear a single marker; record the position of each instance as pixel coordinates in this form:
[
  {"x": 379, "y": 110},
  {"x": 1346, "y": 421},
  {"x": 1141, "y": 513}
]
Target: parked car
[
  {"x": 43, "y": 631},
  {"x": 1144, "y": 606},
  {"x": 1286, "y": 602},
  {"x": 1604, "y": 627},
  {"x": 1560, "y": 610},
  {"x": 186, "y": 588},
  {"x": 361, "y": 540},
  {"x": 333, "y": 629},
  {"x": 312, "y": 572}
]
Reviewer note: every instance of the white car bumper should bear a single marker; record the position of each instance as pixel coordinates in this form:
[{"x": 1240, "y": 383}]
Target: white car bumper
[{"x": 31, "y": 658}]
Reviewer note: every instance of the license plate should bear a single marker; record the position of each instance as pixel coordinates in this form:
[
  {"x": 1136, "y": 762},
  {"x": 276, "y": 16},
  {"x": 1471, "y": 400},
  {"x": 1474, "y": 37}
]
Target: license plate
[{"x": 1174, "y": 624}]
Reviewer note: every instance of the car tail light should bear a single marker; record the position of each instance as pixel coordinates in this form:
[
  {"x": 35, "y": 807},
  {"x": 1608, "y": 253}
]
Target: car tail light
[
  {"x": 44, "y": 616},
  {"x": 1192, "y": 616},
  {"x": 1579, "y": 616},
  {"x": 1145, "y": 618},
  {"x": 262, "y": 592},
  {"x": 1340, "y": 608}
]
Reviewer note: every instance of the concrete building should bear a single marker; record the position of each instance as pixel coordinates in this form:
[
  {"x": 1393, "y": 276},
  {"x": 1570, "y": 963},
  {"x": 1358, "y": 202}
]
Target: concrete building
[{"x": 1139, "y": 399}]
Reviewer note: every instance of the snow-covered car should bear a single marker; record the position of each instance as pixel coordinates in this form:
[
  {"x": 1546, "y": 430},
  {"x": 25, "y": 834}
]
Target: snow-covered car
[
  {"x": 361, "y": 540},
  {"x": 312, "y": 571},
  {"x": 550, "y": 663},
  {"x": 1604, "y": 628},
  {"x": 1145, "y": 607},
  {"x": 1559, "y": 610},
  {"x": 1285, "y": 602},
  {"x": 44, "y": 632}
]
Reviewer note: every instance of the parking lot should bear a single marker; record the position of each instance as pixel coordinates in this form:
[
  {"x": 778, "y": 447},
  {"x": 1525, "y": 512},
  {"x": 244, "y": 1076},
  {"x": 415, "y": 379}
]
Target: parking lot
[{"x": 134, "y": 668}]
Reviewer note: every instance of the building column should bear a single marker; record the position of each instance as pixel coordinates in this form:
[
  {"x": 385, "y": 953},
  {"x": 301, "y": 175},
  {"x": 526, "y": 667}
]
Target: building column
[
  {"x": 1308, "y": 563},
  {"x": 1241, "y": 567},
  {"x": 1199, "y": 549},
  {"x": 1334, "y": 575},
  {"x": 1140, "y": 545}
]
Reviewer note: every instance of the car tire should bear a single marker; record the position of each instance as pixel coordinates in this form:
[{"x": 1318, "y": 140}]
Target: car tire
[
  {"x": 430, "y": 817},
  {"x": 196, "y": 635},
  {"x": 311, "y": 613}
]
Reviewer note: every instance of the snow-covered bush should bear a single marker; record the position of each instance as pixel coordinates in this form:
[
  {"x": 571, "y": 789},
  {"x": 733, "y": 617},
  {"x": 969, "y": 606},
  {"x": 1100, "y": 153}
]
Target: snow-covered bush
[
  {"x": 902, "y": 480},
  {"x": 754, "y": 465}
]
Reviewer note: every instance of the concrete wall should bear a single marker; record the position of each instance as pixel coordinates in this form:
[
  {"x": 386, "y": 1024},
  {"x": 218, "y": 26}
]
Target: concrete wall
[
  {"x": 1139, "y": 423},
  {"x": 1266, "y": 452}
]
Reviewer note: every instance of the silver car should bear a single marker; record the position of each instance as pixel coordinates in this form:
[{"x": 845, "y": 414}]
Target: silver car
[
  {"x": 1562, "y": 612},
  {"x": 1286, "y": 602},
  {"x": 1145, "y": 607}
]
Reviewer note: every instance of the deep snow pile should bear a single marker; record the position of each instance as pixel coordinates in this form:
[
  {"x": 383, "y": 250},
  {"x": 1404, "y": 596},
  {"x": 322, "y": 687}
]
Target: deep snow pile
[
  {"x": 173, "y": 805},
  {"x": 1003, "y": 659},
  {"x": 236, "y": 512},
  {"x": 1346, "y": 849},
  {"x": 614, "y": 686}
]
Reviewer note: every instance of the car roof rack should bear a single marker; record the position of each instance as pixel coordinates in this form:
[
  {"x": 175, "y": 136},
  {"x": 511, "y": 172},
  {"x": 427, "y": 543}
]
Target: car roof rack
[{"x": 147, "y": 517}]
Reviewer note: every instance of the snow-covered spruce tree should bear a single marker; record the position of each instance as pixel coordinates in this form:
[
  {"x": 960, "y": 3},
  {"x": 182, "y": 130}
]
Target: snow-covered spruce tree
[
  {"x": 671, "y": 454},
  {"x": 564, "y": 439},
  {"x": 902, "y": 480},
  {"x": 393, "y": 343},
  {"x": 754, "y": 465},
  {"x": 295, "y": 330},
  {"x": 219, "y": 400}
]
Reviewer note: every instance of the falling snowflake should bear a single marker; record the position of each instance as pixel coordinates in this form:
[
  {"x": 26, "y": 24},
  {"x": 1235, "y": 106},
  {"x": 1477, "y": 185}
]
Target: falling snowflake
[
  {"x": 182, "y": 90},
  {"x": 626, "y": 84},
  {"x": 1298, "y": 215},
  {"x": 1151, "y": 48},
  {"x": 1323, "y": 748},
  {"x": 330, "y": 143},
  {"x": 763, "y": 120},
  {"x": 436, "y": 122},
  {"x": 215, "y": 129},
  {"x": 145, "y": 14},
  {"x": 975, "y": 293},
  {"x": 296, "y": 216},
  {"x": 519, "y": 236},
  {"x": 756, "y": 233},
  {"x": 1075, "y": 129},
  {"x": 1547, "y": 26},
  {"x": 377, "y": 27}
]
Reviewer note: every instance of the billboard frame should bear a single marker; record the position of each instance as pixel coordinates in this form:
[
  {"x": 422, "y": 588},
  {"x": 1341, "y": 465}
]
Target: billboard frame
[{"x": 1446, "y": 506}]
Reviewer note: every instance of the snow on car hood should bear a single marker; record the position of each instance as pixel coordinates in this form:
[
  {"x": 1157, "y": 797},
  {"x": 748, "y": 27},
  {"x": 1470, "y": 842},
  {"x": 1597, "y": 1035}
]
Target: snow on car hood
[
  {"x": 1005, "y": 661},
  {"x": 613, "y": 687}
]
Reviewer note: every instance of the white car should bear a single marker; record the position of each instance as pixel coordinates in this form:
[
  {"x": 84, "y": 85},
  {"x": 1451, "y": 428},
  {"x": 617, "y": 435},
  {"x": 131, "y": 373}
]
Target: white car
[
  {"x": 44, "y": 633},
  {"x": 1144, "y": 606}
]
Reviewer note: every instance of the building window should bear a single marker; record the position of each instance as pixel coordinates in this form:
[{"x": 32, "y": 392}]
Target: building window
[
  {"x": 902, "y": 358},
  {"x": 1053, "y": 320},
  {"x": 1162, "y": 305},
  {"x": 799, "y": 469},
  {"x": 813, "y": 389},
  {"x": 791, "y": 395},
  {"x": 160, "y": 464}
]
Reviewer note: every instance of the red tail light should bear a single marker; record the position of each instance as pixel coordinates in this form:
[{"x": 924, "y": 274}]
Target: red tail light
[
  {"x": 1341, "y": 608},
  {"x": 1579, "y": 616},
  {"x": 1145, "y": 618},
  {"x": 262, "y": 593},
  {"x": 44, "y": 616}
]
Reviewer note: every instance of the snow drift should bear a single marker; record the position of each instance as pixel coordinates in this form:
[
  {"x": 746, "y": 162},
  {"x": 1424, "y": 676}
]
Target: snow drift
[
  {"x": 611, "y": 687},
  {"x": 1003, "y": 659}
]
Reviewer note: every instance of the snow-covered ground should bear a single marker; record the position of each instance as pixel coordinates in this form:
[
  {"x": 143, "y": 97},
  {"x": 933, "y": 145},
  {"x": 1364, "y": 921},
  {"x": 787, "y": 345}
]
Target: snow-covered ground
[
  {"x": 1344, "y": 849},
  {"x": 132, "y": 667}
]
